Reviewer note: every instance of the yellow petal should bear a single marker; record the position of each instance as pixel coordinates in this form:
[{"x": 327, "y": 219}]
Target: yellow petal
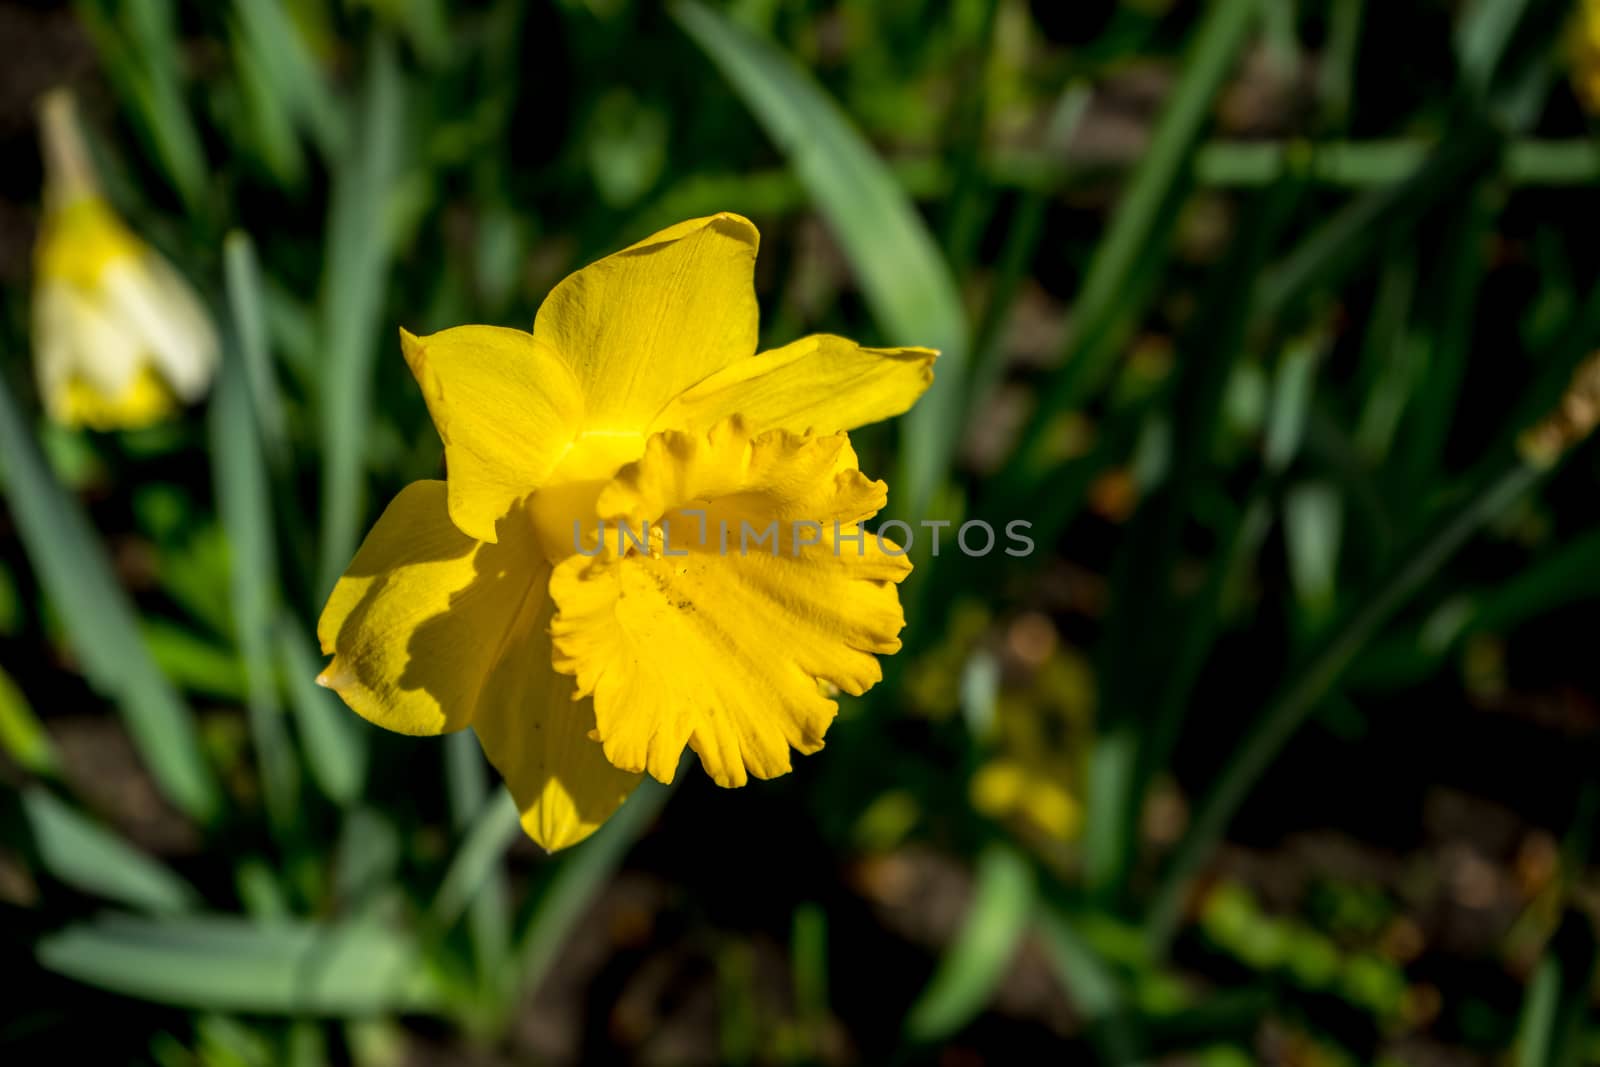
[
  {"x": 145, "y": 401},
  {"x": 818, "y": 384},
  {"x": 721, "y": 650},
  {"x": 506, "y": 409},
  {"x": 538, "y": 737},
  {"x": 79, "y": 239},
  {"x": 422, "y": 616},
  {"x": 642, "y": 325}
]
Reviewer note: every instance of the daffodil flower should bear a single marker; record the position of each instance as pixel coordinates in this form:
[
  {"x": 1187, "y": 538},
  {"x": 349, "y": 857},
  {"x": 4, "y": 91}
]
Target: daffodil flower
[
  {"x": 120, "y": 339},
  {"x": 495, "y": 599}
]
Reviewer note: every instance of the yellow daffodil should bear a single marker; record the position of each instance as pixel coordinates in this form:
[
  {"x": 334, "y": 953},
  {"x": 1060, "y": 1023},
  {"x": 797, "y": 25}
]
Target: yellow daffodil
[
  {"x": 508, "y": 599},
  {"x": 119, "y": 337}
]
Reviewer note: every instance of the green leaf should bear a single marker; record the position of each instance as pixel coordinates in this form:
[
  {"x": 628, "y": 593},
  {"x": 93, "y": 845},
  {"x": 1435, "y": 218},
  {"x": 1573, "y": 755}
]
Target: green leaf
[
  {"x": 476, "y": 877},
  {"x": 491, "y": 833},
  {"x": 356, "y": 266},
  {"x": 1494, "y": 489},
  {"x": 146, "y": 67},
  {"x": 1002, "y": 907},
  {"x": 224, "y": 963},
  {"x": 905, "y": 279},
  {"x": 22, "y": 736},
  {"x": 573, "y": 887},
  {"x": 1550, "y": 1032},
  {"x": 244, "y": 502},
  {"x": 85, "y": 855},
  {"x": 334, "y": 738},
  {"x": 247, "y": 305},
  {"x": 194, "y": 663},
  {"x": 75, "y": 573},
  {"x": 1103, "y": 314},
  {"x": 290, "y": 71}
]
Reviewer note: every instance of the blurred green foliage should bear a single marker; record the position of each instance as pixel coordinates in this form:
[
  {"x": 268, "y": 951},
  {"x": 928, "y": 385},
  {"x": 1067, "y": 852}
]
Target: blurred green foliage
[{"x": 1243, "y": 305}]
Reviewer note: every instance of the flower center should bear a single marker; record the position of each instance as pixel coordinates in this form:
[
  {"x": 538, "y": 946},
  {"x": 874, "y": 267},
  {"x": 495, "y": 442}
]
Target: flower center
[{"x": 569, "y": 494}]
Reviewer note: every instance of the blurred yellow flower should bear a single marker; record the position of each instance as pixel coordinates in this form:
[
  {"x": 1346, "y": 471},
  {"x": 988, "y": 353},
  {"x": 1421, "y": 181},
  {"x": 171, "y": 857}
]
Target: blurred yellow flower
[
  {"x": 119, "y": 337},
  {"x": 497, "y": 600},
  {"x": 1584, "y": 44},
  {"x": 1040, "y": 739},
  {"x": 1004, "y": 788}
]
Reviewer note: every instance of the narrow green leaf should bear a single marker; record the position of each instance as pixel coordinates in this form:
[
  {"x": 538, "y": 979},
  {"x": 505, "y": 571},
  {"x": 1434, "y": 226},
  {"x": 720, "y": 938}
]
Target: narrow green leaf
[
  {"x": 476, "y": 875},
  {"x": 333, "y": 737},
  {"x": 583, "y": 872},
  {"x": 194, "y": 663},
  {"x": 85, "y": 855},
  {"x": 22, "y": 736},
  {"x": 492, "y": 832},
  {"x": 267, "y": 128},
  {"x": 143, "y": 57},
  {"x": 1103, "y": 313},
  {"x": 1485, "y": 29},
  {"x": 1313, "y": 522},
  {"x": 1494, "y": 490},
  {"x": 1002, "y": 907},
  {"x": 292, "y": 72},
  {"x": 1145, "y": 619},
  {"x": 357, "y": 262},
  {"x": 905, "y": 280},
  {"x": 224, "y": 963},
  {"x": 247, "y": 305},
  {"x": 808, "y": 942},
  {"x": 1550, "y": 1032},
  {"x": 244, "y": 504},
  {"x": 100, "y": 620}
]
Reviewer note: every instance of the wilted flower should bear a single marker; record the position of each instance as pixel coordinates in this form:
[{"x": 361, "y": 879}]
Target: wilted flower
[
  {"x": 582, "y": 661},
  {"x": 119, "y": 337}
]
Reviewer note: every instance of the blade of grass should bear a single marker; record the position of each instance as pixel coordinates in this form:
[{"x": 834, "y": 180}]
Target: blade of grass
[
  {"x": 1482, "y": 35},
  {"x": 22, "y": 737},
  {"x": 77, "y": 576},
  {"x": 490, "y": 833},
  {"x": 1002, "y": 906},
  {"x": 1384, "y": 215},
  {"x": 808, "y": 952},
  {"x": 1550, "y": 1031},
  {"x": 85, "y": 855},
  {"x": 1102, "y": 314},
  {"x": 292, "y": 72},
  {"x": 352, "y": 306},
  {"x": 1463, "y": 264},
  {"x": 906, "y": 282},
  {"x": 246, "y": 304},
  {"x": 142, "y": 56},
  {"x": 1133, "y": 656},
  {"x": 223, "y": 963},
  {"x": 1492, "y": 493},
  {"x": 1022, "y": 240},
  {"x": 334, "y": 738},
  {"x": 244, "y": 505},
  {"x": 966, "y": 206},
  {"x": 1097, "y": 992},
  {"x": 572, "y": 888},
  {"x": 482, "y": 885}
]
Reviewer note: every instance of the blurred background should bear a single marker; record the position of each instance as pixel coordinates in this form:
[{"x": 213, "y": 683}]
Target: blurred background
[{"x": 1269, "y": 315}]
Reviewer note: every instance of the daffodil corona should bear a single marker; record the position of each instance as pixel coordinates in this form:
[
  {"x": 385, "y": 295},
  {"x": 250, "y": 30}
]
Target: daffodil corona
[
  {"x": 119, "y": 337},
  {"x": 491, "y": 599}
]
